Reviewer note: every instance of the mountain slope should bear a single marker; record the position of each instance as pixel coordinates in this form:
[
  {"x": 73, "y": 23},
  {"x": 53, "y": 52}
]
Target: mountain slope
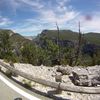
[
  {"x": 93, "y": 38},
  {"x": 64, "y": 34},
  {"x": 15, "y": 38}
]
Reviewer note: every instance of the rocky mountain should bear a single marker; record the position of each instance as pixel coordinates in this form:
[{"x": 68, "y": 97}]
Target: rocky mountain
[
  {"x": 66, "y": 37},
  {"x": 92, "y": 38},
  {"x": 15, "y": 38},
  {"x": 7, "y": 31}
]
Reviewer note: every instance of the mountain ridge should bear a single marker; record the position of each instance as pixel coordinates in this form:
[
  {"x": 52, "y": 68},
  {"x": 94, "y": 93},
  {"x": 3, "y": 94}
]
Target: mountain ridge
[{"x": 90, "y": 37}]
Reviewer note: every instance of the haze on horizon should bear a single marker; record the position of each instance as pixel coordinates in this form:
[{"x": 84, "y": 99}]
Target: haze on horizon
[{"x": 30, "y": 17}]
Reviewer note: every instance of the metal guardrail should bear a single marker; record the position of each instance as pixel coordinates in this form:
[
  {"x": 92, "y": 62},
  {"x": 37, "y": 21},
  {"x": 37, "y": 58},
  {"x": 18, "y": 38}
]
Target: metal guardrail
[{"x": 62, "y": 86}]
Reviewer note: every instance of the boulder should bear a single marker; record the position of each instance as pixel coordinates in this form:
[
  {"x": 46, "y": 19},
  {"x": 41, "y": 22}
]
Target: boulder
[
  {"x": 86, "y": 76},
  {"x": 65, "y": 70},
  {"x": 58, "y": 77}
]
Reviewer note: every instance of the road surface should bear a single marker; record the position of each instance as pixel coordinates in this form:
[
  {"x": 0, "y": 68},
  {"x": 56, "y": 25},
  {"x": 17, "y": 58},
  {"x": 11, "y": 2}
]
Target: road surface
[{"x": 9, "y": 90}]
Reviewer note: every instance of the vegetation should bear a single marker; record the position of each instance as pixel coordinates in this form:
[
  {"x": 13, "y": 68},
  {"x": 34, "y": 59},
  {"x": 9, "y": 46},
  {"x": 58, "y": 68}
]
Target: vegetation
[
  {"x": 29, "y": 54},
  {"x": 5, "y": 46},
  {"x": 47, "y": 50},
  {"x": 93, "y": 38},
  {"x": 27, "y": 83}
]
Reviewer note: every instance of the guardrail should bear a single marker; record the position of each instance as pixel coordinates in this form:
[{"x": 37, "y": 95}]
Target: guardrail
[{"x": 62, "y": 86}]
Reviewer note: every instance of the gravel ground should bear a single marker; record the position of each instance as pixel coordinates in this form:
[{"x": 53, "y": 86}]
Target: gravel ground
[{"x": 48, "y": 73}]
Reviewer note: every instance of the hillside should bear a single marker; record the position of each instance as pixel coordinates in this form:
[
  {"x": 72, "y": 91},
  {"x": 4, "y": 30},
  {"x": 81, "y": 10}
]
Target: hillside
[
  {"x": 15, "y": 38},
  {"x": 48, "y": 53},
  {"x": 64, "y": 34},
  {"x": 6, "y": 31},
  {"x": 93, "y": 38}
]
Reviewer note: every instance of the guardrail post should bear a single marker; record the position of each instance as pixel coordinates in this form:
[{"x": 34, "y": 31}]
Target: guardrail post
[
  {"x": 58, "y": 78},
  {"x": 12, "y": 65}
]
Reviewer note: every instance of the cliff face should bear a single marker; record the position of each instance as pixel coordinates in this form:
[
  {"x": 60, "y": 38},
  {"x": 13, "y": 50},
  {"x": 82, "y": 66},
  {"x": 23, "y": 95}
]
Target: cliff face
[{"x": 92, "y": 38}]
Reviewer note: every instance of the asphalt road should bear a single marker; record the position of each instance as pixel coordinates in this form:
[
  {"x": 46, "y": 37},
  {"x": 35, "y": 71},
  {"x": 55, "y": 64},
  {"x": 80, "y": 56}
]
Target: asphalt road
[{"x": 9, "y": 92}]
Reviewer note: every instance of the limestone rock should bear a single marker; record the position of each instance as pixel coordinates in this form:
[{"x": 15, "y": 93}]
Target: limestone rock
[
  {"x": 64, "y": 70},
  {"x": 86, "y": 76}
]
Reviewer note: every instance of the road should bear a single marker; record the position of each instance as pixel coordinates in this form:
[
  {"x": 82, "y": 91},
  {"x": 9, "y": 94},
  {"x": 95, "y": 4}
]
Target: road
[{"x": 9, "y": 90}]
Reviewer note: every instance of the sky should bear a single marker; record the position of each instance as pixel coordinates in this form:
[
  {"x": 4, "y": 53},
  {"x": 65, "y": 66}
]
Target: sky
[{"x": 30, "y": 17}]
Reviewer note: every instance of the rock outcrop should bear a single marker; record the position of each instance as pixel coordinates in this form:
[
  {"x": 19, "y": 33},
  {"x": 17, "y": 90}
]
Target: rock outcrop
[{"x": 89, "y": 76}]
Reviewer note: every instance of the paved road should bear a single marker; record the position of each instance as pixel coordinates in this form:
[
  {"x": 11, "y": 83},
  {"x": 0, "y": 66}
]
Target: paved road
[{"x": 9, "y": 92}]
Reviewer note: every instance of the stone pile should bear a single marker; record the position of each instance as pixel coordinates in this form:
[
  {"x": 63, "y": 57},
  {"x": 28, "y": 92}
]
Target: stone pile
[{"x": 89, "y": 76}]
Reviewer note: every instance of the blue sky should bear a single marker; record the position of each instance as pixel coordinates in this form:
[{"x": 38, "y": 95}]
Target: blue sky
[{"x": 30, "y": 17}]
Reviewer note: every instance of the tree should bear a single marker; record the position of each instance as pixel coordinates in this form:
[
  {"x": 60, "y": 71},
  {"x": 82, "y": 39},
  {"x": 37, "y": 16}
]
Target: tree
[
  {"x": 29, "y": 53},
  {"x": 5, "y": 46},
  {"x": 51, "y": 50},
  {"x": 67, "y": 55},
  {"x": 58, "y": 40},
  {"x": 78, "y": 50},
  {"x": 42, "y": 56}
]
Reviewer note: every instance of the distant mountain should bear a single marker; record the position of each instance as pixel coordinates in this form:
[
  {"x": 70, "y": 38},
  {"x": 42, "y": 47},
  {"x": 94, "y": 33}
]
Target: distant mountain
[
  {"x": 6, "y": 31},
  {"x": 92, "y": 38},
  {"x": 16, "y": 38},
  {"x": 64, "y": 34},
  {"x": 29, "y": 37}
]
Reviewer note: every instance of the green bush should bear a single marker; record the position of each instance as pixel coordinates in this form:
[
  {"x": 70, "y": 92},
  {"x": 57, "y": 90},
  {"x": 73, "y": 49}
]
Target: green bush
[
  {"x": 27, "y": 83},
  {"x": 29, "y": 54}
]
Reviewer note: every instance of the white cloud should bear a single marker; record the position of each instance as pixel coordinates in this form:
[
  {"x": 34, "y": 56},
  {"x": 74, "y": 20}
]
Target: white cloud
[
  {"x": 4, "y": 21},
  {"x": 60, "y": 12},
  {"x": 33, "y": 26},
  {"x": 14, "y": 5},
  {"x": 51, "y": 17},
  {"x": 55, "y": 12},
  {"x": 50, "y": 13},
  {"x": 62, "y": 2},
  {"x": 31, "y": 3},
  {"x": 92, "y": 25},
  {"x": 63, "y": 5},
  {"x": 29, "y": 26}
]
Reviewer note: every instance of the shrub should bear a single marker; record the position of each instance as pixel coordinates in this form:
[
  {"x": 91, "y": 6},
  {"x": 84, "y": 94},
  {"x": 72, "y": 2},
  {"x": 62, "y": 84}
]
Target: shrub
[{"x": 27, "y": 83}]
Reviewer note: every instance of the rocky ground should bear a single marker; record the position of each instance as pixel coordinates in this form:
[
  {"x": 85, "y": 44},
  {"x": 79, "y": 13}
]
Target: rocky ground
[{"x": 49, "y": 73}]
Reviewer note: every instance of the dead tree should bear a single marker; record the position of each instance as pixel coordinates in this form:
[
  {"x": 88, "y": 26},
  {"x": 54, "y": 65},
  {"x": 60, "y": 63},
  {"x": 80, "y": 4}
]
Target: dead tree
[
  {"x": 77, "y": 54},
  {"x": 58, "y": 40}
]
